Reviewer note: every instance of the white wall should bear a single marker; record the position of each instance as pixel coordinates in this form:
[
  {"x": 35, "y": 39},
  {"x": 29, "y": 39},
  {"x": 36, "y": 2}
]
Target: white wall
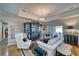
[
  {"x": 0, "y": 30},
  {"x": 51, "y": 29},
  {"x": 18, "y": 27},
  {"x": 76, "y": 26},
  {"x": 56, "y": 23},
  {"x": 52, "y": 24},
  {"x": 60, "y": 22}
]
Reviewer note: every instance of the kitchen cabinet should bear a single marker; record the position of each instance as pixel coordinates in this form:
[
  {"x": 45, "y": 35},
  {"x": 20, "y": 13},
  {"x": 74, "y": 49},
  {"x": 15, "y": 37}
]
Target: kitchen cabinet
[{"x": 71, "y": 36}]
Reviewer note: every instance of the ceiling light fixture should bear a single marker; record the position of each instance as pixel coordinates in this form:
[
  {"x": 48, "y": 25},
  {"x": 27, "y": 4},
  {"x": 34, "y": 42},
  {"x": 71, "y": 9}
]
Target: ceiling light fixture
[{"x": 42, "y": 18}]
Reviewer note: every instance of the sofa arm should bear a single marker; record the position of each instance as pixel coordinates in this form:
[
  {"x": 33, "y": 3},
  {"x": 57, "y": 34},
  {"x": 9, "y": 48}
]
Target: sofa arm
[
  {"x": 44, "y": 45},
  {"x": 28, "y": 43},
  {"x": 49, "y": 49},
  {"x": 41, "y": 44},
  {"x": 58, "y": 43}
]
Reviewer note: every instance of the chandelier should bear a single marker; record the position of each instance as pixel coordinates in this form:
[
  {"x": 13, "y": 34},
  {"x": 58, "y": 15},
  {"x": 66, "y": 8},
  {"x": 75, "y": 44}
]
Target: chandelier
[{"x": 42, "y": 19}]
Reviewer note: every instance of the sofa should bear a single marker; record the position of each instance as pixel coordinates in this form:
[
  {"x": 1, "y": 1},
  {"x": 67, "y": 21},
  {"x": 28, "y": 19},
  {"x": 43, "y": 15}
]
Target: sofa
[{"x": 51, "y": 46}]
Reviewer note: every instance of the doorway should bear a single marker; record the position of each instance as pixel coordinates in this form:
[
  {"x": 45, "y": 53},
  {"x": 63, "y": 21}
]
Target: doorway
[{"x": 5, "y": 31}]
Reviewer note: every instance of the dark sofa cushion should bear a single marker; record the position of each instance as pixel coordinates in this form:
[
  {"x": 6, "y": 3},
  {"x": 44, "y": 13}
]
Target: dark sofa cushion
[{"x": 40, "y": 51}]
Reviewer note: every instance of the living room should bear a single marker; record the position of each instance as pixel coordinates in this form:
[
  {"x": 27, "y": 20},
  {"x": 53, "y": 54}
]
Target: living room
[{"x": 49, "y": 29}]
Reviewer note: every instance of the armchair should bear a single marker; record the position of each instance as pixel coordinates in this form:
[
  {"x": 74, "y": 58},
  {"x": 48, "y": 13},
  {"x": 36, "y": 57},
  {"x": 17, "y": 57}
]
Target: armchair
[{"x": 22, "y": 41}]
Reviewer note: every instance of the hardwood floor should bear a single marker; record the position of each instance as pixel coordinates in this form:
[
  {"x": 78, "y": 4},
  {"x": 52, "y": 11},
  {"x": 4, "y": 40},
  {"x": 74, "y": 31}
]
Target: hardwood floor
[
  {"x": 0, "y": 50},
  {"x": 3, "y": 50},
  {"x": 75, "y": 50},
  {"x": 13, "y": 51}
]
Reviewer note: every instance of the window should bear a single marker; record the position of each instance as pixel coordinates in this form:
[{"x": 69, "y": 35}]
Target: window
[{"x": 59, "y": 30}]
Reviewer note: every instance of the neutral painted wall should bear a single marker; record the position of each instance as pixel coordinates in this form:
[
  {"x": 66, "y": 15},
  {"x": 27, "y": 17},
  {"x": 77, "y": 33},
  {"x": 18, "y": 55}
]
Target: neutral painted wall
[
  {"x": 51, "y": 30},
  {"x": 0, "y": 30},
  {"x": 51, "y": 26},
  {"x": 18, "y": 28},
  {"x": 58, "y": 23}
]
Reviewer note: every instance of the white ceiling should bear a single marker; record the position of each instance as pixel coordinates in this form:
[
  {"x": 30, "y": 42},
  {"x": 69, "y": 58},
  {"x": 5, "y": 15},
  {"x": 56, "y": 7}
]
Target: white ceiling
[
  {"x": 11, "y": 7},
  {"x": 50, "y": 11}
]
